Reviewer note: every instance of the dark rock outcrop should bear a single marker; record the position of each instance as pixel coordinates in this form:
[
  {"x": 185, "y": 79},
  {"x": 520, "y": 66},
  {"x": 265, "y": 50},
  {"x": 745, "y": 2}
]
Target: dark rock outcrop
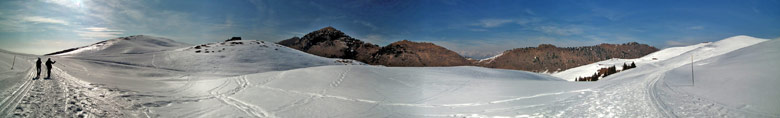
[{"x": 233, "y": 39}]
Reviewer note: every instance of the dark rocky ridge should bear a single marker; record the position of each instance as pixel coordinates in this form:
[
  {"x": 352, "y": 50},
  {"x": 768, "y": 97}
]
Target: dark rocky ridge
[
  {"x": 408, "y": 53},
  {"x": 332, "y": 43}
]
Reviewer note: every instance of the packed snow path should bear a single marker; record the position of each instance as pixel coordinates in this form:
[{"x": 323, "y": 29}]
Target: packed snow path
[{"x": 60, "y": 96}]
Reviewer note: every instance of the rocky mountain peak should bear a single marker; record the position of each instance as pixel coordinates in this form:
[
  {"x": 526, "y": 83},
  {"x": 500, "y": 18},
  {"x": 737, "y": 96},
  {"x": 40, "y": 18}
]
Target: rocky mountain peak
[
  {"x": 327, "y": 33},
  {"x": 332, "y": 43}
]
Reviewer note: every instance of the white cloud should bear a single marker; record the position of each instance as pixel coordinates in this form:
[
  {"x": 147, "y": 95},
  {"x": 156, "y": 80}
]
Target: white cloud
[
  {"x": 528, "y": 11},
  {"x": 491, "y": 23},
  {"x": 40, "y": 46},
  {"x": 67, "y": 3},
  {"x": 99, "y": 33},
  {"x": 478, "y": 30},
  {"x": 367, "y": 24},
  {"x": 756, "y": 10},
  {"x": 525, "y": 21},
  {"x": 565, "y": 31},
  {"x": 101, "y": 29},
  {"x": 375, "y": 39},
  {"x": 488, "y": 23},
  {"x": 39, "y": 19},
  {"x": 609, "y": 14},
  {"x": 696, "y": 27},
  {"x": 671, "y": 43}
]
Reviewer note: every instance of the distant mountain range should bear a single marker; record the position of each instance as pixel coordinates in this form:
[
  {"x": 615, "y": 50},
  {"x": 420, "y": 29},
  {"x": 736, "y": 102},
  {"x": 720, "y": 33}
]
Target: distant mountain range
[{"x": 330, "y": 42}]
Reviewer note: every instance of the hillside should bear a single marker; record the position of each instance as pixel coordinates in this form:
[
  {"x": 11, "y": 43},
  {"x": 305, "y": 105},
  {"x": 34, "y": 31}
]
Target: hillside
[
  {"x": 211, "y": 60},
  {"x": 332, "y": 43},
  {"x": 549, "y": 58},
  {"x": 739, "y": 79},
  {"x": 416, "y": 54}
]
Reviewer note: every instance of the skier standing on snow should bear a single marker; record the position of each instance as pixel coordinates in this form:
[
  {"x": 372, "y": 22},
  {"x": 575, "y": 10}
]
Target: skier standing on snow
[
  {"x": 38, "y": 67},
  {"x": 48, "y": 67}
]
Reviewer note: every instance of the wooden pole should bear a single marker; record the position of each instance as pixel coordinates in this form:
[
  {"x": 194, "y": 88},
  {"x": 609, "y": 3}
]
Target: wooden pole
[
  {"x": 693, "y": 81},
  {"x": 13, "y": 63}
]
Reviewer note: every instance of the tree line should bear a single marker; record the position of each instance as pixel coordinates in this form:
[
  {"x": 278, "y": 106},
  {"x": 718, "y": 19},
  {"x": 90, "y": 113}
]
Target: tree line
[{"x": 604, "y": 72}]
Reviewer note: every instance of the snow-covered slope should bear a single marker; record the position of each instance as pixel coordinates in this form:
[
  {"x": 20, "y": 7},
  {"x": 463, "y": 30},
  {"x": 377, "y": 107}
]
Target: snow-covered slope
[
  {"x": 363, "y": 91},
  {"x": 207, "y": 61},
  {"x": 490, "y": 59},
  {"x": 20, "y": 68},
  {"x": 746, "y": 79},
  {"x": 671, "y": 56},
  {"x": 240, "y": 57},
  {"x": 124, "y": 45}
]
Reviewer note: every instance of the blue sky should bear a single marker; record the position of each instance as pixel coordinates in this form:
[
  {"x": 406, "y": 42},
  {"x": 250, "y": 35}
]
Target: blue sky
[{"x": 472, "y": 28}]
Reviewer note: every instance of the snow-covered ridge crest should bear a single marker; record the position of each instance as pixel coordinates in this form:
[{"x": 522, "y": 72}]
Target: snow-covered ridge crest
[
  {"x": 136, "y": 44},
  {"x": 673, "y": 56},
  {"x": 490, "y": 59}
]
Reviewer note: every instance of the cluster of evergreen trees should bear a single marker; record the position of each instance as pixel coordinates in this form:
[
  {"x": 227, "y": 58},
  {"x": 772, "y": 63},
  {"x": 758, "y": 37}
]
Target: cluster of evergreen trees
[
  {"x": 604, "y": 72},
  {"x": 626, "y": 67}
]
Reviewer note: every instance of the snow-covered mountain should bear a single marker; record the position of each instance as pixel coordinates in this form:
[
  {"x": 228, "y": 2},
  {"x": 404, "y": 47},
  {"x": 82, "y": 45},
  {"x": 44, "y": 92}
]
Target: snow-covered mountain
[
  {"x": 673, "y": 56},
  {"x": 220, "y": 58},
  {"x": 746, "y": 79},
  {"x": 136, "y": 44}
]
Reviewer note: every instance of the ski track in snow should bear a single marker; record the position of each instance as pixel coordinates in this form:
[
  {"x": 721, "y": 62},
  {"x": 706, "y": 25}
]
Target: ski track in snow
[
  {"x": 9, "y": 104},
  {"x": 319, "y": 95},
  {"x": 60, "y": 96},
  {"x": 630, "y": 97},
  {"x": 247, "y": 108},
  {"x": 655, "y": 97},
  {"x": 681, "y": 104}
]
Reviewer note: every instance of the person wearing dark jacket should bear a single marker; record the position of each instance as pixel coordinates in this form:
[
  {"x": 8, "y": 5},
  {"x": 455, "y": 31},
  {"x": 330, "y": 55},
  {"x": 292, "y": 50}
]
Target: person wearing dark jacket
[
  {"x": 48, "y": 67},
  {"x": 38, "y": 67}
]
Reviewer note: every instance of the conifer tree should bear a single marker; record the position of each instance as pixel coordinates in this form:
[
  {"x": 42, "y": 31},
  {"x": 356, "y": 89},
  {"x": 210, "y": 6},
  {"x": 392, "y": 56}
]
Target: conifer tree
[{"x": 626, "y": 67}]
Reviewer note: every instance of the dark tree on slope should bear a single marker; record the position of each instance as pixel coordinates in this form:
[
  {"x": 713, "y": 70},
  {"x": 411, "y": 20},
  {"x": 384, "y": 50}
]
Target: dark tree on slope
[
  {"x": 633, "y": 65},
  {"x": 611, "y": 70},
  {"x": 626, "y": 67},
  {"x": 595, "y": 77}
]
